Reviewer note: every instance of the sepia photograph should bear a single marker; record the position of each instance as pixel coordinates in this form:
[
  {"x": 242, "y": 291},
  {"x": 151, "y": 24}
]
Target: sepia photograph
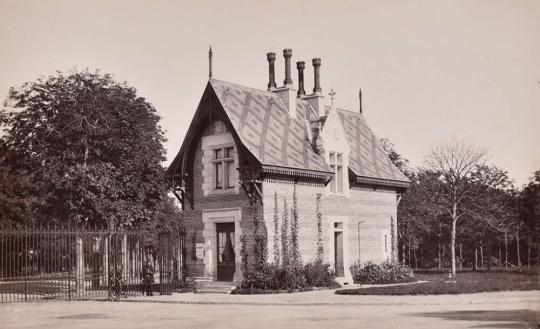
[{"x": 270, "y": 164}]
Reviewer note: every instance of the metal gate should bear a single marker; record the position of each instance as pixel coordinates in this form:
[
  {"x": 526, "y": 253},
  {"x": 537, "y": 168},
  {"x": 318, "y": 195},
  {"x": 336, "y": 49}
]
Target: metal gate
[{"x": 68, "y": 264}]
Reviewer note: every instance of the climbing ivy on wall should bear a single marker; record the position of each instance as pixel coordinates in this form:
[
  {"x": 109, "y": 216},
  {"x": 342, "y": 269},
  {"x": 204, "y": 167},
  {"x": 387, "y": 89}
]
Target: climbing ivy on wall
[
  {"x": 276, "y": 231},
  {"x": 318, "y": 216},
  {"x": 285, "y": 261},
  {"x": 295, "y": 250}
]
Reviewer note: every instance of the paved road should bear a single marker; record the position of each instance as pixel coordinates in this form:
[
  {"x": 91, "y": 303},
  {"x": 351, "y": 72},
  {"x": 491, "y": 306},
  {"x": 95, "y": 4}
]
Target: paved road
[{"x": 486, "y": 311}]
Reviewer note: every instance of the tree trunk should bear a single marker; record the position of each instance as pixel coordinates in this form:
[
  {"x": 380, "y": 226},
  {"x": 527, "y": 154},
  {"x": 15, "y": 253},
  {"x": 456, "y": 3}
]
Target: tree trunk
[
  {"x": 529, "y": 253},
  {"x": 475, "y": 258},
  {"x": 409, "y": 251},
  {"x": 439, "y": 255},
  {"x": 415, "y": 259},
  {"x": 500, "y": 254},
  {"x": 453, "y": 244},
  {"x": 517, "y": 246},
  {"x": 481, "y": 257},
  {"x": 505, "y": 250},
  {"x": 460, "y": 258},
  {"x": 488, "y": 248},
  {"x": 403, "y": 252},
  {"x": 443, "y": 257}
]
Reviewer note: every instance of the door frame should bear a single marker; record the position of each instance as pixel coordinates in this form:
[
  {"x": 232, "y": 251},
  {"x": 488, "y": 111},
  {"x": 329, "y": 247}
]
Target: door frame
[
  {"x": 217, "y": 247},
  {"x": 223, "y": 215},
  {"x": 346, "y": 248}
]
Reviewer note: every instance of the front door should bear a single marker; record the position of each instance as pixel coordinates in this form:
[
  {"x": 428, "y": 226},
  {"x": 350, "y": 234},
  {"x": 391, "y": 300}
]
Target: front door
[
  {"x": 225, "y": 251},
  {"x": 338, "y": 253}
]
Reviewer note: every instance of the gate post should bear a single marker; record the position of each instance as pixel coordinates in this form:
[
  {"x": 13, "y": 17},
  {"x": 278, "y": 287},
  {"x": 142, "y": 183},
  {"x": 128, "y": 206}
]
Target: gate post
[
  {"x": 124, "y": 256},
  {"x": 105, "y": 259},
  {"x": 79, "y": 270}
]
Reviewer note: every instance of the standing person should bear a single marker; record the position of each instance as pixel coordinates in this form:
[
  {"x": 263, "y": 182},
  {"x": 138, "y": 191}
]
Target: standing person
[{"x": 148, "y": 278}]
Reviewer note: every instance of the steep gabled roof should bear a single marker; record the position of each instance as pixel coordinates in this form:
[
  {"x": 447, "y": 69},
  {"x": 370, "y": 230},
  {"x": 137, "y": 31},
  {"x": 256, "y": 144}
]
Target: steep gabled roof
[
  {"x": 261, "y": 121},
  {"x": 367, "y": 158},
  {"x": 266, "y": 129}
]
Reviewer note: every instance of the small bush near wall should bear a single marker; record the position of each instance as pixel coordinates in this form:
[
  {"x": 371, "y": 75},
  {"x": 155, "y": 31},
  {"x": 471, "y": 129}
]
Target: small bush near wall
[
  {"x": 319, "y": 274},
  {"x": 383, "y": 273},
  {"x": 275, "y": 279}
]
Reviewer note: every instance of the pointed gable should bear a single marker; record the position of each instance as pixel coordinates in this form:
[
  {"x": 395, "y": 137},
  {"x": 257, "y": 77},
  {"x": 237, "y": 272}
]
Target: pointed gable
[
  {"x": 266, "y": 129},
  {"x": 367, "y": 158}
]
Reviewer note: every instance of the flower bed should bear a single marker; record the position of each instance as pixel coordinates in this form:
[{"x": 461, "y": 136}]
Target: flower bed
[{"x": 381, "y": 274}]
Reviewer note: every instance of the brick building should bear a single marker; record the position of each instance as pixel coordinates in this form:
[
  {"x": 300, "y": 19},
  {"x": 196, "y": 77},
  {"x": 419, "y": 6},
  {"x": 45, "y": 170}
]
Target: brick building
[{"x": 245, "y": 146}]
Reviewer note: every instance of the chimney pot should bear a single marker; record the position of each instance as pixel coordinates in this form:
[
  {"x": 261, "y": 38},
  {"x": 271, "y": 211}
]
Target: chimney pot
[
  {"x": 287, "y": 53},
  {"x": 317, "y": 75},
  {"x": 271, "y": 57},
  {"x": 301, "y": 66}
]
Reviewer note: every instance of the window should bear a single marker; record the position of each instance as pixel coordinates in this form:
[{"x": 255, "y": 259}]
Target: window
[
  {"x": 223, "y": 162},
  {"x": 336, "y": 164}
]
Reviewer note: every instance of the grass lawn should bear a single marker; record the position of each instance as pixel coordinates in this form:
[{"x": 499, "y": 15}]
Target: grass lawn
[{"x": 466, "y": 282}]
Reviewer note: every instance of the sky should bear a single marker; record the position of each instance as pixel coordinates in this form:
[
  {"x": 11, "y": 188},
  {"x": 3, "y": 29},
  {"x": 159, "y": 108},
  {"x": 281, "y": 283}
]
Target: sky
[{"x": 430, "y": 71}]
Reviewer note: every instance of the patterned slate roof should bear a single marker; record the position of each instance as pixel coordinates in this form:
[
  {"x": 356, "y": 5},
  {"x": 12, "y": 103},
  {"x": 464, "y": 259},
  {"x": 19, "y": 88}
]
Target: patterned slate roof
[
  {"x": 367, "y": 158},
  {"x": 264, "y": 126}
]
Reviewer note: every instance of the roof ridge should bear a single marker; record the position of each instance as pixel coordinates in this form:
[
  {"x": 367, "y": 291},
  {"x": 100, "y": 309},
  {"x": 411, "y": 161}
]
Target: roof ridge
[{"x": 255, "y": 89}]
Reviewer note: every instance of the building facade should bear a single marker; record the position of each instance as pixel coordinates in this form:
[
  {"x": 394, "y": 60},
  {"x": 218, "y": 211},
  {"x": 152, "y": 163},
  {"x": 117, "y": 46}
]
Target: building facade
[{"x": 249, "y": 152}]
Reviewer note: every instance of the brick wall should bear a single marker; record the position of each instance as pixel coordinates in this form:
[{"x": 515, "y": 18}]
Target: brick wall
[
  {"x": 204, "y": 199},
  {"x": 373, "y": 208}
]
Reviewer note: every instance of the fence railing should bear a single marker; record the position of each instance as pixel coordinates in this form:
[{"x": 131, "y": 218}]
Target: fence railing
[{"x": 75, "y": 264}]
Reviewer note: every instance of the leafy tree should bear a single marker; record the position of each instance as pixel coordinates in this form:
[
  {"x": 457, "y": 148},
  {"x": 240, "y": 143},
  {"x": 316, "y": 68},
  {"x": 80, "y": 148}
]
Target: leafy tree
[
  {"x": 491, "y": 205},
  {"x": 454, "y": 161},
  {"x": 397, "y": 159},
  {"x": 419, "y": 216},
  {"x": 529, "y": 214},
  {"x": 89, "y": 147}
]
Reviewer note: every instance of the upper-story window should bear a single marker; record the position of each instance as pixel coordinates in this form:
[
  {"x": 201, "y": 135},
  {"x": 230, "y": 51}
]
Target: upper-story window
[
  {"x": 223, "y": 163},
  {"x": 336, "y": 164}
]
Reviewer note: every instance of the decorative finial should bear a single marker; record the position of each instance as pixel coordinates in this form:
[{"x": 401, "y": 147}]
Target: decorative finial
[
  {"x": 210, "y": 63},
  {"x": 360, "y": 98},
  {"x": 332, "y": 94}
]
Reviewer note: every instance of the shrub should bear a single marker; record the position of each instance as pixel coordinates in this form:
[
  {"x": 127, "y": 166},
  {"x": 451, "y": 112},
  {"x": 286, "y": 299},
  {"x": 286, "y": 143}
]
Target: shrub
[
  {"x": 319, "y": 274},
  {"x": 289, "y": 278},
  {"x": 383, "y": 273},
  {"x": 272, "y": 277}
]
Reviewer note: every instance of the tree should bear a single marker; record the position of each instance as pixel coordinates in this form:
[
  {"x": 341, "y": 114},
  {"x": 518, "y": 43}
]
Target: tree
[
  {"x": 454, "y": 161},
  {"x": 90, "y": 148},
  {"x": 418, "y": 215},
  {"x": 491, "y": 204},
  {"x": 397, "y": 159},
  {"x": 529, "y": 214}
]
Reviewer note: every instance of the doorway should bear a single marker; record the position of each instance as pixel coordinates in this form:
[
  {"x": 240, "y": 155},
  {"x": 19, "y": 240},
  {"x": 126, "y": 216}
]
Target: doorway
[
  {"x": 338, "y": 249},
  {"x": 225, "y": 251}
]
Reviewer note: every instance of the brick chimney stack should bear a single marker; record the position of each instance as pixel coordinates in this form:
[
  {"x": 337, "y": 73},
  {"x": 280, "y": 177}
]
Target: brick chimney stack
[
  {"x": 317, "y": 75},
  {"x": 271, "y": 57},
  {"x": 287, "y": 53},
  {"x": 300, "y": 66}
]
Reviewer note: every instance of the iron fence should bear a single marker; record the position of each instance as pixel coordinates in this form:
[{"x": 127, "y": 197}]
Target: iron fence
[{"x": 72, "y": 264}]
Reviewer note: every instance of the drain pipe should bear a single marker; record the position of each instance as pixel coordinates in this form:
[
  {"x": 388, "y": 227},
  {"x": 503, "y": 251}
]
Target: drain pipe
[{"x": 360, "y": 222}]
